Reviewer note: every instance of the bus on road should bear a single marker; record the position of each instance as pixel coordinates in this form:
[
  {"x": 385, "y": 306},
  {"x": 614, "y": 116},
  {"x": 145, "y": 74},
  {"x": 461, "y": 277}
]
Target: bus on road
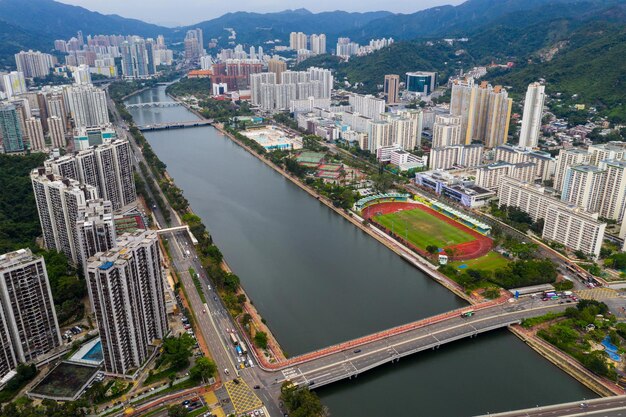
[{"x": 233, "y": 339}]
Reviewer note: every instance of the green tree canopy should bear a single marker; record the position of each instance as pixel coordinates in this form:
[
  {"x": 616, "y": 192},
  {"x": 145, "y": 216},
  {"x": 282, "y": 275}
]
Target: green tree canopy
[{"x": 203, "y": 369}]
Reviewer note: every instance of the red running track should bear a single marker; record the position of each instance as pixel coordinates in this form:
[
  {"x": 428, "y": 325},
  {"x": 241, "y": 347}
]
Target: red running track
[{"x": 479, "y": 246}]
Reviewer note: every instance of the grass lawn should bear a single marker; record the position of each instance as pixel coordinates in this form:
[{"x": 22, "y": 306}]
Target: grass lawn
[
  {"x": 489, "y": 262},
  {"x": 423, "y": 229}
]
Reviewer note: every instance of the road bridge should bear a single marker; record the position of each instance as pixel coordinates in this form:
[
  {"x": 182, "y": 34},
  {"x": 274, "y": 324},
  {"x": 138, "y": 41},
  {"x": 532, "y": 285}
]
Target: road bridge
[
  {"x": 348, "y": 360},
  {"x": 605, "y": 407},
  {"x": 153, "y": 104},
  {"x": 175, "y": 125},
  {"x": 177, "y": 229}
]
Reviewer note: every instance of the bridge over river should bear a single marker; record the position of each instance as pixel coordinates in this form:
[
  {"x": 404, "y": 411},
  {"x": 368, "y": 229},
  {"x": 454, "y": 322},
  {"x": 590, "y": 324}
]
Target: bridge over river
[
  {"x": 348, "y": 360},
  {"x": 153, "y": 104},
  {"x": 175, "y": 125}
]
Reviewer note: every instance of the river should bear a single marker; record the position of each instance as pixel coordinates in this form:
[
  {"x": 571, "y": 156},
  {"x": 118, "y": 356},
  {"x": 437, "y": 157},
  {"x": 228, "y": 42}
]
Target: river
[{"x": 319, "y": 280}]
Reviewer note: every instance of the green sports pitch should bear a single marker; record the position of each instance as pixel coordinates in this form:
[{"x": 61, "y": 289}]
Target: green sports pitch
[{"x": 423, "y": 229}]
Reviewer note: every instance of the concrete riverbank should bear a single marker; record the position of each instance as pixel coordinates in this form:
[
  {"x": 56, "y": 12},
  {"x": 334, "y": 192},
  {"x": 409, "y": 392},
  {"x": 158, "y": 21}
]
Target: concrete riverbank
[{"x": 599, "y": 385}]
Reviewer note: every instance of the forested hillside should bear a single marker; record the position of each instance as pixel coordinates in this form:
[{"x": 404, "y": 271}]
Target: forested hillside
[
  {"x": 19, "y": 223},
  {"x": 399, "y": 58},
  {"x": 591, "y": 65}
]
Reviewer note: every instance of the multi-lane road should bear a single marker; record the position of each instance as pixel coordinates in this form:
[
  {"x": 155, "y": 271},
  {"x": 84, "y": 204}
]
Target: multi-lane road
[{"x": 600, "y": 407}]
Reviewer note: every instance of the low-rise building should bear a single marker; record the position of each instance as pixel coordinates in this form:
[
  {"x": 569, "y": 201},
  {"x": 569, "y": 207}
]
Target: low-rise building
[
  {"x": 273, "y": 138},
  {"x": 460, "y": 189}
]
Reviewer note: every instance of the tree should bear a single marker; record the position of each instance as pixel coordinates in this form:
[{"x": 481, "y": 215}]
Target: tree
[
  {"x": 382, "y": 182},
  {"x": 231, "y": 282},
  {"x": 432, "y": 249},
  {"x": 618, "y": 260},
  {"x": 596, "y": 362},
  {"x": 605, "y": 252},
  {"x": 537, "y": 226},
  {"x": 177, "y": 351},
  {"x": 177, "y": 410},
  {"x": 452, "y": 251},
  {"x": 580, "y": 254},
  {"x": 97, "y": 392},
  {"x": 260, "y": 339},
  {"x": 203, "y": 369},
  {"x": 525, "y": 272},
  {"x": 301, "y": 402}
]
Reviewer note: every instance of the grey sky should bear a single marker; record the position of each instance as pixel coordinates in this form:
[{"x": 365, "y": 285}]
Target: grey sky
[{"x": 183, "y": 12}]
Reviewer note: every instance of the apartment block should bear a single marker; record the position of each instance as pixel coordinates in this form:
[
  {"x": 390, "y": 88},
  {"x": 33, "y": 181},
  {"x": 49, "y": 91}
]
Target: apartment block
[
  {"x": 564, "y": 223},
  {"x": 447, "y": 131},
  {"x": 489, "y": 176},
  {"x": 584, "y": 187},
  {"x": 485, "y": 110},
  {"x": 566, "y": 159},
  {"x": 457, "y": 155},
  {"x": 531, "y": 119},
  {"x": 613, "y": 203},
  {"x": 27, "y": 309},
  {"x": 107, "y": 167},
  {"x": 95, "y": 229},
  {"x": 127, "y": 290},
  {"x": 574, "y": 228},
  {"x": 60, "y": 201}
]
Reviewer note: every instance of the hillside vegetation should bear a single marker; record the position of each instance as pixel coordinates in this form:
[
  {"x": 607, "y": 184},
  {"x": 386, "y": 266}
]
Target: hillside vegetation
[
  {"x": 399, "y": 58},
  {"x": 592, "y": 66},
  {"x": 19, "y": 222}
]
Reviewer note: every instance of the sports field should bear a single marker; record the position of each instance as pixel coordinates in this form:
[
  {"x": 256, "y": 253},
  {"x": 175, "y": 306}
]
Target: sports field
[
  {"x": 422, "y": 229},
  {"x": 419, "y": 226}
]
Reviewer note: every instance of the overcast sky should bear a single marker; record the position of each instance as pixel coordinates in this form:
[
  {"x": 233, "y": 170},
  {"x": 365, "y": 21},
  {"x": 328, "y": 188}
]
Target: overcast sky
[{"x": 184, "y": 12}]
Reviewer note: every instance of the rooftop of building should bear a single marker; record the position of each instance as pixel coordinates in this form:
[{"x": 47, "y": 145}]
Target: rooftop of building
[
  {"x": 541, "y": 155},
  {"x": 575, "y": 210},
  {"x": 65, "y": 381},
  {"x": 105, "y": 265},
  {"x": 421, "y": 73},
  {"x": 16, "y": 257},
  {"x": 616, "y": 163},
  {"x": 576, "y": 151},
  {"x": 525, "y": 164},
  {"x": 613, "y": 145},
  {"x": 471, "y": 189},
  {"x": 496, "y": 165},
  {"x": 587, "y": 168}
]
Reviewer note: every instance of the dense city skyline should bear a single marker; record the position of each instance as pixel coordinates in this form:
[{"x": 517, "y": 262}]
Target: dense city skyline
[
  {"x": 167, "y": 13},
  {"x": 225, "y": 218}
]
